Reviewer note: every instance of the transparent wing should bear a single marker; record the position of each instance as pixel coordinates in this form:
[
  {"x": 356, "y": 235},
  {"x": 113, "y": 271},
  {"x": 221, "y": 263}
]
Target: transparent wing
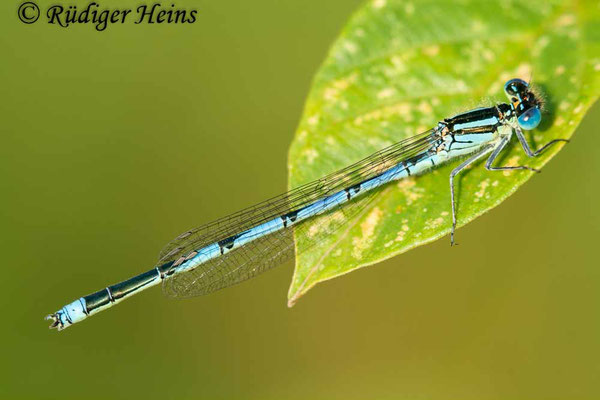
[
  {"x": 277, "y": 247},
  {"x": 261, "y": 254}
]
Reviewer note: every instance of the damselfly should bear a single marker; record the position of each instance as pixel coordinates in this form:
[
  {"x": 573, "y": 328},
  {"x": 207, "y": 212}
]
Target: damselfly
[{"x": 242, "y": 245}]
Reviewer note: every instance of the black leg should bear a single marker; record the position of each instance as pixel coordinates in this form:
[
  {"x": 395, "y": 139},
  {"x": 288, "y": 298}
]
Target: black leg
[
  {"x": 528, "y": 150},
  {"x": 497, "y": 150},
  {"x": 454, "y": 172},
  {"x": 488, "y": 165}
]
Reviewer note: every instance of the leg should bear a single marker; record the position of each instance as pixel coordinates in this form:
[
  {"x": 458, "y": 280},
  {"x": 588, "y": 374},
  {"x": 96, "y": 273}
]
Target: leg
[
  {"x": 454, "y": 172},
  {"x": 494, "y": 155},
  {"x": 528, "y": 150}
]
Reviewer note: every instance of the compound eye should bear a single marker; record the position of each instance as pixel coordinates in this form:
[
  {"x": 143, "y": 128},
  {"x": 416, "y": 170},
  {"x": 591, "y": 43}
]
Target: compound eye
[
  {"x": 530, "y": 119},
  {"x": 516, "y": 86}
]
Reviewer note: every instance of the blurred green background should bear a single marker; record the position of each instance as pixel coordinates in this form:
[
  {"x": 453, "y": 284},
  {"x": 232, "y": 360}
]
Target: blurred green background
[{"x": 114, "y": 142}]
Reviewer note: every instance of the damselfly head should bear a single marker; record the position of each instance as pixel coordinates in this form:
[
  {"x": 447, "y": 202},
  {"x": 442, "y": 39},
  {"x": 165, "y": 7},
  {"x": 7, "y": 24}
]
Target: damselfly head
[{"x": 525, "y": 102}]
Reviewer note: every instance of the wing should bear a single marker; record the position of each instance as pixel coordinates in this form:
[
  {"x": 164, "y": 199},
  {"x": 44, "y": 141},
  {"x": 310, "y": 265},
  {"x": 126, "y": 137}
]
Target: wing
[{"x": 248, "y": 260}]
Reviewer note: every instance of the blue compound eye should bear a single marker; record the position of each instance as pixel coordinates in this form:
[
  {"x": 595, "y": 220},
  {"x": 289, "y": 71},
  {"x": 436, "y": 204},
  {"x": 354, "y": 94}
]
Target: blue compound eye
[{"x": 530, "y": 119}]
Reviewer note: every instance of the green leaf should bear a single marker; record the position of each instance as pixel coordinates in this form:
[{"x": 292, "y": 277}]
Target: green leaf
[{"x": 397, "y": 68}]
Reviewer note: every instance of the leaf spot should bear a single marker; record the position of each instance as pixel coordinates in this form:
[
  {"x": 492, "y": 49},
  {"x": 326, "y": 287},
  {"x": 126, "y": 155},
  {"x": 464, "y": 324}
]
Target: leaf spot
[
  {"x": 488, "y": 55},
  {"x": 367, "y": 228},
  {"x": 400, "y": 236},
  {"x": 540, "y": 45},
  {"x": 566, "y": 20},
  {"x": 564, "y": 105},
  {"x": 379, "y": 3},
  {"x": 409, "y": 190},
  {"x": 431, "y": 51},
  {"x": 425, "y": 108},
  {"x": 524, "y": 70},
  {"x": 398, "y": 64},
  {"x": 434, "y": 223},
  {"x": 333, "y": 91},
  {"x": 313, "y": 120},
  {"x": 401, "y": 109},
  {"x": 482, "y": 187},
  {"x": 512, "y": 162},
  {"x": 351, "y": 47},
  {"x": 317, "y": 228},
  {"x": 386, "y": 93},
  {"x": 310, "y": 155}
]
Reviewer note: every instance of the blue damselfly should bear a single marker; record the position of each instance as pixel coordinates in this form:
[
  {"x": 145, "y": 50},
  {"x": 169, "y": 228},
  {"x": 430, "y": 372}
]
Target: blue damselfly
[{"x": 242, "y": 245}]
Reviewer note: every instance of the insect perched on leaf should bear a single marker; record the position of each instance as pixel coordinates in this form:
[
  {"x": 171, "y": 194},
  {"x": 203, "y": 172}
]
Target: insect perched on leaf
[{"x": 242, "y": 245}]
